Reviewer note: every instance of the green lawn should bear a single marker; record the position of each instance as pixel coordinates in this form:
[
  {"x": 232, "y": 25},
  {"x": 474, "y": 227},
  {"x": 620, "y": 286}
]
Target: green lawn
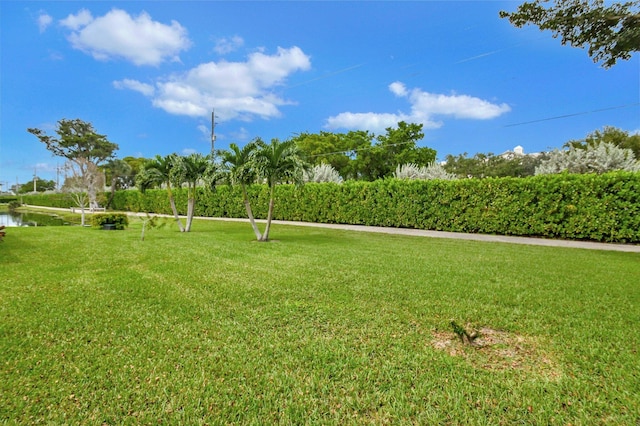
[{"x": 316, "y": 327}]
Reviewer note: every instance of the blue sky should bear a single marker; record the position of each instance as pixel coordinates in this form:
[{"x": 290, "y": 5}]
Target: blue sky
[{"x": 147, "y": 74}]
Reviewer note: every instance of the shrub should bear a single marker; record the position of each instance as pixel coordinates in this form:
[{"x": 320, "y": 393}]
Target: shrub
[
  {"x": 432, "y": 171},
  {"x": 322, "y": 173},
  {"x": 120, "y": 220},
  {"x": 601, "y": 158}
]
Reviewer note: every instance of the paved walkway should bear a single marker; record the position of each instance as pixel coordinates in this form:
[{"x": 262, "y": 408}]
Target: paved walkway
[{"x": 432, "y": 234}]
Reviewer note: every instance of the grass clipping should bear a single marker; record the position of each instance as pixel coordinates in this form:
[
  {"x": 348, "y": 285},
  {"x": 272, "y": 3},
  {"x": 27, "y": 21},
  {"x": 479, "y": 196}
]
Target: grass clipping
[{"x": 498, "y": 350}]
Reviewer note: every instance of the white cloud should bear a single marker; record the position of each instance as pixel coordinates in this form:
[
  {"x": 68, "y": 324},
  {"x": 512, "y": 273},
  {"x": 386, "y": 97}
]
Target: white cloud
[
  {"x": 425, "y": 107},
  {"x": 398, "y": 89},
  {"x": 119, "y": 35},
  {"x": 44, "y": 21},
  {"x": 145, "y": 89},
  {"x": 237, "y": 90},
  {"x": 46, "y": 167},
  {"x": 241, "y": 135},
  {"x": 365, "y": 121},
  {"x": 205, "y": 130},
  {"x": 188, "y": 151},
  {"x": 75, "y": 22},
  {"x": 227, "y": 45}
]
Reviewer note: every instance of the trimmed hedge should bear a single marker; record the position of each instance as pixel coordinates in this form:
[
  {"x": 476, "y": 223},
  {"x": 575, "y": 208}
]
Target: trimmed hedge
[
  {"x": 4, "y": 199},
  {"x": 60, "y": 200},
  {"x": 583, "y": 207}
]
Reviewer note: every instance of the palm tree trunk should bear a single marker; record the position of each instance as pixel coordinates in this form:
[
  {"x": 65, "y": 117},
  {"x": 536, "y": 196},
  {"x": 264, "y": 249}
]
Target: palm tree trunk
[
  {"x": 247, "y": 206},
  {"x": 265, "y": 236},
  {"x": 190, "y": 212},
  {"x": 173, "y": 208}
]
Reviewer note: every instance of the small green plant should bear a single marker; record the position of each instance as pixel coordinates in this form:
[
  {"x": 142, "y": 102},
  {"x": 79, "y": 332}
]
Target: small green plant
[
  {"x": 463, "y": 334},
  {"x": 151, "y": 222},
  {"x": 120, "y": 220},
  {"x": 13, "y": 205}
]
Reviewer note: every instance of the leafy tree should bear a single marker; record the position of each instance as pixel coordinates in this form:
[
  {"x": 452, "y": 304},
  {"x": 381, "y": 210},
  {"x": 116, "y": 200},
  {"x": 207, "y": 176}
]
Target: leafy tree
[
  {"x": 238, "y": 168},
  {"x": 600, "y": 158},
  {"x": 612, "y": 31},
  {"x": 396, "y": 147},
  {"x": 41, "y": 186},
  {"x": 137, "y": 165},
  {"x": 336, "y": 149},
  {"x": 157, "y": 172},
  {"x": 490, "y": 165},
  {"x": 277, "y": 162},
  {"x": 79, "y": 143},
  {"x": 612, "y": 135},
  {"x": 117, "y": 172}
]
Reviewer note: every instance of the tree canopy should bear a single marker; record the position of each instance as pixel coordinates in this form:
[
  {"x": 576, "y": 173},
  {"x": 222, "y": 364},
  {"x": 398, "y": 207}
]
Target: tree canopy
[
  {"x": 77, "y": 139},
  {"x": 611, "y": 31},
  {"x": 85, "y": 149},
  {"x": 609, "y": 134},
  {"x": 41, "y": 186},
  {"x": 363, "y": 155}
]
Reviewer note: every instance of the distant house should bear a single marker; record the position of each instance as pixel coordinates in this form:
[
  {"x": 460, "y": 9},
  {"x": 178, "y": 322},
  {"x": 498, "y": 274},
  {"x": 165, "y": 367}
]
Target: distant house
[{"x": 518, "y": 151}]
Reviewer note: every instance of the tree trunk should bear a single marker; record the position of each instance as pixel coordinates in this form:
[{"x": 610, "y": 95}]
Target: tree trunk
[
  {"x": 111, "y": 196},
  {"x": 173, "y": 208},
  {"x": 190, "y": 212},
  {"x": 247, "y": 206},
  {"x": 265, "y": 236}
]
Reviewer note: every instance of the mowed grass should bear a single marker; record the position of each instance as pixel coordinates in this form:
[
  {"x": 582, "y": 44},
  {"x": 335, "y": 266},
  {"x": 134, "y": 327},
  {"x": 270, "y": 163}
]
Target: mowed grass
[{"x": 317, "y": 327}]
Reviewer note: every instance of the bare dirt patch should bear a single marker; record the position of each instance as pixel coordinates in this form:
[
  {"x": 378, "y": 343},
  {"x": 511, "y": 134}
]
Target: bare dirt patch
[{"x": 500, "y": 350}]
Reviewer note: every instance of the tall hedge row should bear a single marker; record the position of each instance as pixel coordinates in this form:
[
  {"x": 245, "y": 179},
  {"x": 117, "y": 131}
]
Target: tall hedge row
[
  {"x": 585, "y": 207},
  {"x": 60, "y": 200}
]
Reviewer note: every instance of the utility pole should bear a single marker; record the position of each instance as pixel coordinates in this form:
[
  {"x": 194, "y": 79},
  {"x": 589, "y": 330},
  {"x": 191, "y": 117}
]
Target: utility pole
[
  {"x": 34, "y": 179},
  {"x": 57, "y": 176},
  {"x": 213, "y": 131}
]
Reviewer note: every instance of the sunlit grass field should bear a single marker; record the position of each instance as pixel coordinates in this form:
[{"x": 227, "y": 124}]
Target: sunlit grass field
[{"x": 316, "y": 327}]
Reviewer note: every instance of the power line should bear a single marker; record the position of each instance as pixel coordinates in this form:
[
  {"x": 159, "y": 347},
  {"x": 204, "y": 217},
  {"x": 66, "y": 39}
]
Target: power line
[{"x": 558, "y": 117}]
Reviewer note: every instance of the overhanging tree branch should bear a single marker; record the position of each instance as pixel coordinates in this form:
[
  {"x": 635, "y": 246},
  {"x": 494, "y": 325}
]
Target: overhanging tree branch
[{"x": 611, "y": 32}]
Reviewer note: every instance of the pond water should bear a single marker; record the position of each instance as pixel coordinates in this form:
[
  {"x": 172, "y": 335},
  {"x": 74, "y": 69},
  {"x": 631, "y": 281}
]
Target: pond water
[{"x": 15, "y": 219}]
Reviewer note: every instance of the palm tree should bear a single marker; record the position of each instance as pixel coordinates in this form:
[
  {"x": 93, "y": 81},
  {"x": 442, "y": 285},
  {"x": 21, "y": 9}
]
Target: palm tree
[
  {"x": 278, "y": 162},
  {"x": 190, "y": 170},
  {"x": 238, "y": 164},
  {"x": 158, "y": 171}
]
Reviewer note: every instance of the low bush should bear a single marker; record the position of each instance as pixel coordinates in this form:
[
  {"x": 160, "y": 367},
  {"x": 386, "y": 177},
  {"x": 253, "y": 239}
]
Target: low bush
[{"x": 120, "y": 220}]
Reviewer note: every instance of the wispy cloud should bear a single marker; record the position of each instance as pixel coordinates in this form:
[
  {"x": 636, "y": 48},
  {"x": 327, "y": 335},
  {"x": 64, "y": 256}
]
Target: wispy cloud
[
  {"x": 227, "y": 45},
  {"x": 145, "y": 89},
  {"x": 425, "y": 107},
  {"x": 44, "y": 20},
  {"x": 117, "y": 34}
]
